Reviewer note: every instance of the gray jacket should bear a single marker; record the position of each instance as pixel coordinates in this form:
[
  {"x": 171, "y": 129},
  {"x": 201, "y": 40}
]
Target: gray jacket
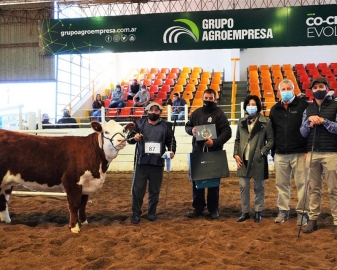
[{"x": 261, "y": 140}]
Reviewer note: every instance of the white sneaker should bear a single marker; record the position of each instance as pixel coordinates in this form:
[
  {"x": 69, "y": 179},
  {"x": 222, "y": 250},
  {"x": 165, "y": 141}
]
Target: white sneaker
[
  {"x": 304, "y": 220},
  {"x": 282, "y": 216}
]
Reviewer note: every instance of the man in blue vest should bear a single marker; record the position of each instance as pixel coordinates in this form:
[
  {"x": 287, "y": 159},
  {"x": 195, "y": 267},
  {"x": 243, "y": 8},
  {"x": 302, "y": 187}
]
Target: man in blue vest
[{"x": 320, "y": 127}]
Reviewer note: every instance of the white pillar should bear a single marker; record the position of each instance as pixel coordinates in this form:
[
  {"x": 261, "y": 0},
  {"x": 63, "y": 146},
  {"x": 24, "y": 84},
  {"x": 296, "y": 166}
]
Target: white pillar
[{"x": 31, "y": 120}]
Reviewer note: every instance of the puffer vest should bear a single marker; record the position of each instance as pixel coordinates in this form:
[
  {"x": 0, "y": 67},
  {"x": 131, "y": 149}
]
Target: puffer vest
[{"x": 319, "y": 137}]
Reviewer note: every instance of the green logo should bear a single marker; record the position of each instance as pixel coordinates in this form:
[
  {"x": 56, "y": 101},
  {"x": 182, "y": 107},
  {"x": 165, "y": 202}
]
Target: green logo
[{"x": 171, "y": 34}]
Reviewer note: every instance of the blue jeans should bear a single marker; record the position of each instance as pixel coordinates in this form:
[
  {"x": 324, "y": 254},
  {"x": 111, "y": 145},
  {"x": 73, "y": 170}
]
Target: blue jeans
[
  {"x": 178, "y": 116},
  {"x": 115, "y": 104},
  {"x": 97, "y": 114}
]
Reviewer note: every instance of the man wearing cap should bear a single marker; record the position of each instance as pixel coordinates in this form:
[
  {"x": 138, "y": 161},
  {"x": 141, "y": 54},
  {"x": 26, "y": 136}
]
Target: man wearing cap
[
  {"x": 67, "y": 119},
  {"x": 45, "y": 122},
  {"x": 154, "y": 136},
  {"x": 142, "y": 98},
  {"x": 178, "y": 108},
  {"x": 289, "y": 152},
  {"x": 320, "y": 127},
  {"x": 209, "y": 113}
]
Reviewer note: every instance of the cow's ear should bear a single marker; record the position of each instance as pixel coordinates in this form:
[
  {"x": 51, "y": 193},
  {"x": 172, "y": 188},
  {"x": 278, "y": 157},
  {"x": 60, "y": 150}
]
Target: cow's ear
[
  {"x": 129, "y": 127},
  {"x": 96, "y": 126}
]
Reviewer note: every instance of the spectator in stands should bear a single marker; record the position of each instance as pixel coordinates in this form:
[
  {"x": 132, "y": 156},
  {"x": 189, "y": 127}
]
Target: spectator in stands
[
  {"x": 289, "y": 151},
  {"x": 178, "y": 108},
  {"x": 153, "y": 136},
  {"x": 96, "y": 107},
  {"x": 117, "y": 99},
  {"x": 45, "y": 122},
  {"x": 133, "y": 89},
  {"x": 143, "y": 97},
  {"x": 254, "y": 139},
  {"x": 209, "y": 113},
  {"x": 67, "y": 119},
  {"x": 320, "y": 127}
]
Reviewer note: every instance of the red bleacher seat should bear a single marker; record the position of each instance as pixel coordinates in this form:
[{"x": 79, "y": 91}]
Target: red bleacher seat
[
  {"x": 298, "y": 67},
  {"x": 106, "y": 102},
  {"x": 166, "y": 88},
  {"x": 112, "y": 112},
  {"x": 310, "y": 66},
  {"x": 125, "y": 112},
  {"x": 169, "y": 81},
  {"x": 138, "y": 112},
  {"x": 162, "y": 95},
  {"x": 321, "y": 66}
]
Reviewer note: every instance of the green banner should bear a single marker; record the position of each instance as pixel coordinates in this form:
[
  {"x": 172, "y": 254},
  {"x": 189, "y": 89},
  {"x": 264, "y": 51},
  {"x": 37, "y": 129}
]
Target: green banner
[{"x": 248, "y": 28}]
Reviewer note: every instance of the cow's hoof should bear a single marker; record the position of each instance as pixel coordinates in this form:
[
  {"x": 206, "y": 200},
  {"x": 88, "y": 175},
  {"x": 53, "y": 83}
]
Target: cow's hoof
[
  {"x": 76, "y": 229},
  {"x": 84, "y": 222}
]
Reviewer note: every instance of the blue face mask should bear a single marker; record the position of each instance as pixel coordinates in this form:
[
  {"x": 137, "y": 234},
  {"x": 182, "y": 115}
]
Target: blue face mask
[
  {"x": 251, "y": 110},
  {"x": 118, "y": 89},
  {"x": 287, "y": 95}
]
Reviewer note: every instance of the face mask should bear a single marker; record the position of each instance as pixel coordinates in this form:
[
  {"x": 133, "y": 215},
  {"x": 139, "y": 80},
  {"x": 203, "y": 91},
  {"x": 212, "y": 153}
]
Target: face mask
[
  {"x": 319, "y": 94},
  {"x": 153, "y": 116},
  {"x": 251, "y": 110},
  {"x": 118, "y": 89},
  {"x": 65, "y": 114},
  {"x": 286, "y": 96},
  {"x": 208, "y": 104}
]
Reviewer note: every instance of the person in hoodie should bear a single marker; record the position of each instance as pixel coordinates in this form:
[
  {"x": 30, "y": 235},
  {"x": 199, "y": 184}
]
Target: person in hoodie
[{"x": 209, "y": 113}]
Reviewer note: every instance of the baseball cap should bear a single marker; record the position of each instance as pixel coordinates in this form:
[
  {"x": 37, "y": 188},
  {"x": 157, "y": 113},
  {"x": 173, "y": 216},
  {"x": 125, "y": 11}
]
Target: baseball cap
[
  {"x": 148, "y": 107},
  {"x": 318, "y": 80}
]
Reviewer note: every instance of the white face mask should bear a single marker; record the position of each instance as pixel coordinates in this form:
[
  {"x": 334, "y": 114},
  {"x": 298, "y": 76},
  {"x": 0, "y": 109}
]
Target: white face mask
[{"x": 251, "y": 110}]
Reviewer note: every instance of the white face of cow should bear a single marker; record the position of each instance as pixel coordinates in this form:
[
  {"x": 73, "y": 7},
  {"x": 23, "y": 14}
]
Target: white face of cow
[{"x": 113, "y": 136}]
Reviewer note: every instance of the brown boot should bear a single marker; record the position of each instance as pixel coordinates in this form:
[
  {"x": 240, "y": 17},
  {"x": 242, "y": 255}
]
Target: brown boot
[{"x": 312, "y": 226}]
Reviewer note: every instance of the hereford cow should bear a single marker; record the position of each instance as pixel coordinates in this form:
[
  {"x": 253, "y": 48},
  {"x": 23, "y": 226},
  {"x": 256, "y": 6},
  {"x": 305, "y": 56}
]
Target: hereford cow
[{"x": 72, "y": 164}]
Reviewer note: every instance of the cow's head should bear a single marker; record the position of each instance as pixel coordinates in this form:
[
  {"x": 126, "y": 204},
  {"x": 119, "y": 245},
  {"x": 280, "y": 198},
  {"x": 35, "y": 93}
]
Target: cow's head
[{"x": 112, "y": 136}]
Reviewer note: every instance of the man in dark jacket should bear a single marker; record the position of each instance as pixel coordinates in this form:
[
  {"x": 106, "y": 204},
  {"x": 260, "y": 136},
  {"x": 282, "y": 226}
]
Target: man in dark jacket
[
  {"x": 153, "y": 136},
  {"x": 134, "y": 89},
  {"x": 209, "y": 113},
  {"x": 289, "y": 151},
  {"x": 67, "y": 119},
  {"x": 320, "y": 127}
]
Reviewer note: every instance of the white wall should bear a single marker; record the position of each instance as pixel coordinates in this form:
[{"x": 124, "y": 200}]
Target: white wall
[{"x": 209, "y": 60}]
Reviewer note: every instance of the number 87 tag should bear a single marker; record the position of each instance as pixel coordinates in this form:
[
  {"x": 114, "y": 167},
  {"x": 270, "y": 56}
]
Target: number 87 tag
[{"x": 152, "y": 148}]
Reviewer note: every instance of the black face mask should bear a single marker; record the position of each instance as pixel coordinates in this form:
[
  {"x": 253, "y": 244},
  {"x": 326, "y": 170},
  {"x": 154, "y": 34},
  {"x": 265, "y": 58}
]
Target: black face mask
[
  {"x": 65, "y": 114},
  {"x": 153, "y": 116},
  {"x": 319, "y": 94},
  {"x": 209, "y": 104}
]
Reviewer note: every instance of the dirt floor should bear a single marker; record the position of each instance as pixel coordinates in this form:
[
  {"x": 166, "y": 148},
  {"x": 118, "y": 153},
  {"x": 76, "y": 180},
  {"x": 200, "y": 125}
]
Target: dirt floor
[{"x": 39, "y": 238}]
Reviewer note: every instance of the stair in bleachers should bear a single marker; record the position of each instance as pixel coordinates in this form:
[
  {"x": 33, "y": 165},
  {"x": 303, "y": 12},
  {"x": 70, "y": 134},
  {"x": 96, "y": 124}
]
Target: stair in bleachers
[{"x": 241, "y": 94}]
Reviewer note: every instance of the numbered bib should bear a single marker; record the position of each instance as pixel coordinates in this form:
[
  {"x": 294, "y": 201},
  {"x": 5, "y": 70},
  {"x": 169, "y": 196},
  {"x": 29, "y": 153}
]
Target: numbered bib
[{"x": 152, "y": 148}]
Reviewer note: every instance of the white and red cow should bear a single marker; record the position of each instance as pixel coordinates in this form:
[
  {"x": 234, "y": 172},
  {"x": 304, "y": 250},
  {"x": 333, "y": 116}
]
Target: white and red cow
[{"x": 72, "y": 164}]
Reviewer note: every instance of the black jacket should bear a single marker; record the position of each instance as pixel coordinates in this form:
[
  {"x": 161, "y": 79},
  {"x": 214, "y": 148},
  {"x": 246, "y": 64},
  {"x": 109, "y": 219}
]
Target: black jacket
[
  {"x": 203, "y": 116},
  {"x": 324, "y": 141},
  {"x": 286, "y": 126},
  {"x": 161, "y": 132},
  {"x": 68, "y": 120}
]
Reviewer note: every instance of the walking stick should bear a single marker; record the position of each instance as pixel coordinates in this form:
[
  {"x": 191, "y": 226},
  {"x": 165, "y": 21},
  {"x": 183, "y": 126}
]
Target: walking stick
[
  {"x": 135, "y": 161},
  {"x": 307, "y": 183},
  {"x": 169, "y": 169}
]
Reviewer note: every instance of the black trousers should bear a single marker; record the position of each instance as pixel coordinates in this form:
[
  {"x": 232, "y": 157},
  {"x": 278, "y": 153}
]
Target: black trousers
[
  {"x": 199, "y": 202},
  {"x": 154, "y": 174}
]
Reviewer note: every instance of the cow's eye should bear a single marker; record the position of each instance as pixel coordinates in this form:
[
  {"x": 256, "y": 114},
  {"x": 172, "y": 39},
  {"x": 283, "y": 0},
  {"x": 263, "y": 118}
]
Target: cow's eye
[{"x": 106, "y": 132}]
